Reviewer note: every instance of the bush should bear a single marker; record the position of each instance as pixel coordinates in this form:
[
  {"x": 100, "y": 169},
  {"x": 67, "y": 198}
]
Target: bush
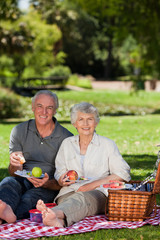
[
  {"x": 82, "y": 82},
  {"x": 59, "y": 71},
  {"x": 11, "y": 105}
]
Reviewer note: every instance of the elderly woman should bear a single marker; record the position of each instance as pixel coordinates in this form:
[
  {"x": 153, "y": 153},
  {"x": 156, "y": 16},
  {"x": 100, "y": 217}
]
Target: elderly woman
[{"x": 93, "y": 156}]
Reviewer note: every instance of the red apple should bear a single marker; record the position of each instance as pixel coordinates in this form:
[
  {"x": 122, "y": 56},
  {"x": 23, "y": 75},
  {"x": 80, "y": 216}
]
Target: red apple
[{"x": 72, "y": 174}]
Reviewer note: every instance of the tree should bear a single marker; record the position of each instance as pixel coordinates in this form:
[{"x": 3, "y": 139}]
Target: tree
[
  {"x": 45, "y": 38},
  {"x": 29, "y": 42},
  {"x": 9, "y": 10},
  {"x": 88, "y": 32},
  {"x": 114, "y": 21},
  {"x": 14, "y": 41},
  {"x": 142, "y": 21}
]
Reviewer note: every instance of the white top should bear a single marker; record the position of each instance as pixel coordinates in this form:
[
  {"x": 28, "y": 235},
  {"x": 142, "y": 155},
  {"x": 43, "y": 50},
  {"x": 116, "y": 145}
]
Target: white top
[
  {"x": 82, "y": 160},
  {"x": 102, "y": 158}
]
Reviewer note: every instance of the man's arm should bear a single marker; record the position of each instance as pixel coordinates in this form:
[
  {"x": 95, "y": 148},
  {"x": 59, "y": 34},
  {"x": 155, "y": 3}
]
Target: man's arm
[{"x": 52, "y": 184}]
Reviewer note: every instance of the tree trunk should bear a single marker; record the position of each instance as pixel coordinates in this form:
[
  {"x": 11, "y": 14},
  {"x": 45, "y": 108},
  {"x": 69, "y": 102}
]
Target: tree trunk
[{"x": 108, "y": 65}]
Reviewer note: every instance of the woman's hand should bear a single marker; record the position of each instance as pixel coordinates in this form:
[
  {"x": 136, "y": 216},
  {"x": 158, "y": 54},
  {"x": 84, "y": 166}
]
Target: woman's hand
[
  {"x": 97, "y": 183},
  {"x": 63, "y": 180},
  {"x": 39, "y": 182}
]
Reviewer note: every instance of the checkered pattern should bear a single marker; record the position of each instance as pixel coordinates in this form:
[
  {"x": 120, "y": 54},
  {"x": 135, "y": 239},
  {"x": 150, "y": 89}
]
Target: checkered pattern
[{"x": 25, "y": 229}]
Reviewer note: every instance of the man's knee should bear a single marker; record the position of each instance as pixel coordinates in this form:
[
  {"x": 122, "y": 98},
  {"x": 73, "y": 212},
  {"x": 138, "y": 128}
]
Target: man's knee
[{"x": 9, "y": 182}]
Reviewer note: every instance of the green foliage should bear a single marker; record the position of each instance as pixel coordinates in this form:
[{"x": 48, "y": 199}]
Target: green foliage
[
  {"x": 60, "y": 58},
  {"x": 14, "y": 43},
  {"x": 5, "y": 64},
  {"x": 9, "y": 10},
  {"x": 8, "y": 104},
  {"x": 29, "y": 32},
  {"x": 109, "y": 103},
  {"x": 7, "y": 77},
  {"x": 59, "y": 71},
  {"x": 75, "y": 80},
  {"x": 112, "y": 103},
  {"x": 45, "y": 37},
  {"x": 96, "y": 32},
  {"x": 11, "y": 105},
  {"x": 15, "y": 37},
  {"x": 105, "y": 39}
]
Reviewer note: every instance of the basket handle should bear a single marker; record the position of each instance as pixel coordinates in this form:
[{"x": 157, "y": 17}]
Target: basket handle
[
  {"x": 106, "y": 207},
  {"x": 156, "y": 188}
]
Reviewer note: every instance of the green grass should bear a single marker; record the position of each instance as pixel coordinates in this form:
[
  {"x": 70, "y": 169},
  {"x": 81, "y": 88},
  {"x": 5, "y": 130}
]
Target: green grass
[
  {"x": 136, "y": 137},
  {"x": 140, "y": 98},
  {"x": 111, "y": 103}
]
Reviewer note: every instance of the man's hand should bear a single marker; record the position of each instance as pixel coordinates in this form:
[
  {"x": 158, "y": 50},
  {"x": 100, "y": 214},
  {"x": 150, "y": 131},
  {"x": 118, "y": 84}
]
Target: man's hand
[
  {"x": 15, "y": 159},
  {"x": 39, "y": 182},
  {"x": 15, "y": 163},
  {"x": 45, "y": 182}
]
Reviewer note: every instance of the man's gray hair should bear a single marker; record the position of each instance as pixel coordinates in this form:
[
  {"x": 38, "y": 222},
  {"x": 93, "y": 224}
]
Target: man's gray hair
[
  {"x": 85, "y": 108},
  {"x": 48, "y": 93}
]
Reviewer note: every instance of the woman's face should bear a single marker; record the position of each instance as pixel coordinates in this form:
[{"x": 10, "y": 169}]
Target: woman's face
[{"x": 85, "y": 123}]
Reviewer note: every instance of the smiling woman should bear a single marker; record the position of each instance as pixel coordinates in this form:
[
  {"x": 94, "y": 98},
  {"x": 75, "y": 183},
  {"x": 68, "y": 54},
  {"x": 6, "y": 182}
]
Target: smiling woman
[{"x": 92, "y": 157}]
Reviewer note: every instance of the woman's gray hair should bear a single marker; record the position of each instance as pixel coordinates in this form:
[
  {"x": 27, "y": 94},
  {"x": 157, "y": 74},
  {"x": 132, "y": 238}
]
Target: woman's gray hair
[
  {"x": 48, "y": 93},
  {"x": 85, "y": 108}
]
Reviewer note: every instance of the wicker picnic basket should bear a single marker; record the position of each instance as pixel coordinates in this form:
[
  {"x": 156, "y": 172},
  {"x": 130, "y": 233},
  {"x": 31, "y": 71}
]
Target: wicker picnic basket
[{"x": 127, "y": 205}]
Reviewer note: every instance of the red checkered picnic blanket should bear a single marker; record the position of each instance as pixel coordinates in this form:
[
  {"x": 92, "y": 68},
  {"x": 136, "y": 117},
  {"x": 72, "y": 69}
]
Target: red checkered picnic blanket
[{"x": 25, "y": 229}]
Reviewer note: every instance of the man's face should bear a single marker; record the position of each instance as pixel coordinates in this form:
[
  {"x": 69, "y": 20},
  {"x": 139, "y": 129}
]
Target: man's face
[{"x": 43, "y": 108}]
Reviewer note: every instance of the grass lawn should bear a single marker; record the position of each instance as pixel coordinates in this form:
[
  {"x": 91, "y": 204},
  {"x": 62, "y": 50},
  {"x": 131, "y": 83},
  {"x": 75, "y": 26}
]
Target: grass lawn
[{"x": 136, "y": 137}]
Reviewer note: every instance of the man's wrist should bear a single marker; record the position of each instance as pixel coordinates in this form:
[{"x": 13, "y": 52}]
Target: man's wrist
[{"x": 52, "y": 184}]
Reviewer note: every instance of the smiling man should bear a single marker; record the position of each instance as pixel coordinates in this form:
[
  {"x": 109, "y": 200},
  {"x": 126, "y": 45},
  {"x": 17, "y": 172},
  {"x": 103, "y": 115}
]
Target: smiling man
[{"x": 38, "y": 141}]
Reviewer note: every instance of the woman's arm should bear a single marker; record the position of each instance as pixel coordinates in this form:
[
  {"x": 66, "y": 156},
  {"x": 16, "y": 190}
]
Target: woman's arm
[{"x": 95, "y": 184}]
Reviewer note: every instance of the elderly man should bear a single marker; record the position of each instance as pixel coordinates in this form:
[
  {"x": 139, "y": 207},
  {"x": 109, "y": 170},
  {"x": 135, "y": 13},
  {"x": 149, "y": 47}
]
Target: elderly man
[{"x": 37, "y": 141}]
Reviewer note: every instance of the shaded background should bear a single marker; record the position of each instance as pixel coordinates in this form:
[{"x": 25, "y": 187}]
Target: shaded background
[{"x": 106, "y": 40}]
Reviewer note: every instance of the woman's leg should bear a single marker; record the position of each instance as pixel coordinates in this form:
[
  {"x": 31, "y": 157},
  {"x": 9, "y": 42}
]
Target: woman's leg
[
  {"x": 49, "y": 216},
  {"x": 73, "y": 207},
  {"x": 82, "y": 204}
]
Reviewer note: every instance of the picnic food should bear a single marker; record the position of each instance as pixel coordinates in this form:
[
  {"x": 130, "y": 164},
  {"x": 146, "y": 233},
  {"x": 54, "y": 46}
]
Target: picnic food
[
  {"x": 114, "y": 184},
  {"x": 21, "y": 159},
  {"x": 36, "y": 172},
  {"x": 83, "y": 178},
  {"x": 72, "y": 174}
]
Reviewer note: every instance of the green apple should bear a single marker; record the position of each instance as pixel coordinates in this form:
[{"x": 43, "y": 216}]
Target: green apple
[{"x": 36, "y": 172}]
